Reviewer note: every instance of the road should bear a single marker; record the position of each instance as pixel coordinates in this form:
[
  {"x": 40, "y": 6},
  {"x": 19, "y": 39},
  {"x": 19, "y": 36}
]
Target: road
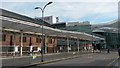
[
  {"x": 85, "y": 60},
  {"x": 28, "y": 60},
  {"x": 97, "y": 59}
]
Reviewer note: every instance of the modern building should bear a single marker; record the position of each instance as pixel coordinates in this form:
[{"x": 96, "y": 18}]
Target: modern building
[
  {"x": 111, "y": 33},
  {"x": 74, "y": 26},
  {"x": 50, "y": 19}
]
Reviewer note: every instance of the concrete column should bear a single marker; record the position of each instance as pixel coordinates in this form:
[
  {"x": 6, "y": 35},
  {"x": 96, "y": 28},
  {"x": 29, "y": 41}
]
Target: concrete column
[
  {"x": 78, "y": 44},
  {"x": 68, "y": 45},
  {"x": 21, "y": 45}
]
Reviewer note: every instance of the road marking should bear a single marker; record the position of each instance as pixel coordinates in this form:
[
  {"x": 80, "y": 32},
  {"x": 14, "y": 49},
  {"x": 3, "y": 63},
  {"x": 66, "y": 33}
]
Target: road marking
[{"x": 111, "y": 62}]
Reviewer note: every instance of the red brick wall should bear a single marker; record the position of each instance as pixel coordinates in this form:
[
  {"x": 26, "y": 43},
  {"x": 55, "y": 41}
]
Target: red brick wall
[
  {"x": 7, "y": 42},
  {"x": 27, "y": 41},
  {"x": 33, "y": 40},
  {"x": 17, "y": 36}
]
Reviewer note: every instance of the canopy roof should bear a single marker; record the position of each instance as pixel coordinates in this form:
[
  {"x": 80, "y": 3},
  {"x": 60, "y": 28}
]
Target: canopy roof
[{"x": 30, "y": 27}]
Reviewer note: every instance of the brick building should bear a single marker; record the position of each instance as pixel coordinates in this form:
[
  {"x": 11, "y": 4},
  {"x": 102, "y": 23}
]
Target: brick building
[{"x": 22, "y": 35}]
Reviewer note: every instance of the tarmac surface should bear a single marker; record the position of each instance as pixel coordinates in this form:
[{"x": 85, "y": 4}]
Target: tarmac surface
[
  {"x": 28, "y": 60},
  {"x": 87, "y": 59},
  {"x": 98, "y": 59}
]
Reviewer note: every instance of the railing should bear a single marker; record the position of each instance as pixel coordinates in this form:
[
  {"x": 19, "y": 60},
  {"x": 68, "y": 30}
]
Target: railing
[{"x": 7, "y": 50}]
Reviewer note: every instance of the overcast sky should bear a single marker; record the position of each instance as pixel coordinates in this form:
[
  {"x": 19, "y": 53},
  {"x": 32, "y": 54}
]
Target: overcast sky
[{"x": 69, "y": 11}]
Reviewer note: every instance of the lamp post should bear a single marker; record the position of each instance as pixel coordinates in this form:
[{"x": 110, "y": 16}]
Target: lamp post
[{"x": 42, "y": 9}]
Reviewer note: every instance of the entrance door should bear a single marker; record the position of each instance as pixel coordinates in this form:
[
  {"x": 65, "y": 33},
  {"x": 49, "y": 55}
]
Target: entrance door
[
  {"x": 11, "y": 43},
  {"x": 11, "y": 38},
  {"x": 30, "y": 43}
]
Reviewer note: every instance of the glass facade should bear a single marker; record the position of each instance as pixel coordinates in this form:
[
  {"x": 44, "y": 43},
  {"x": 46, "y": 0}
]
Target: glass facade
[
  {"x": 83, "y": 28},
  {"x": 112, "y": 39}
]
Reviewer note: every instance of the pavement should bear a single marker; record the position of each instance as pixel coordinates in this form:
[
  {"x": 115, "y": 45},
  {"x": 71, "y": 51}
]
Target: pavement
[{"x": 29, "y": 61}]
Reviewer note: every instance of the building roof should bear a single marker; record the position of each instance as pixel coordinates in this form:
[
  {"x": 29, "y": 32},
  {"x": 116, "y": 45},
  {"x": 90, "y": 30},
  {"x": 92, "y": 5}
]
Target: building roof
[
  {"x": 14, "y": 22},
  {"x": 78, "y": 23},
  {"x": 22, "y": 17},
  {"x": 112, "y": 27}
]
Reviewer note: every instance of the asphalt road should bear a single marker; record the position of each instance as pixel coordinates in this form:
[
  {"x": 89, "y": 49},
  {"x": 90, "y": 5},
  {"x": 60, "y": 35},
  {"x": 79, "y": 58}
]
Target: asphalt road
[
  {"x": 28, "y": 60},
  {"x": 98, "y": 59},
  {"x": 89, "y": 59}
]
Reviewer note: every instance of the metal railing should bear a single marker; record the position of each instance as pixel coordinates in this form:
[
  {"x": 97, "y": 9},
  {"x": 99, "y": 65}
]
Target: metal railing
[{"x": 7, "y": 50}]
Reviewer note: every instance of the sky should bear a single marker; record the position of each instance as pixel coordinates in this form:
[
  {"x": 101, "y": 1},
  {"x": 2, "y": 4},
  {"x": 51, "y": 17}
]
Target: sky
[{"x": 95, "y": 11}]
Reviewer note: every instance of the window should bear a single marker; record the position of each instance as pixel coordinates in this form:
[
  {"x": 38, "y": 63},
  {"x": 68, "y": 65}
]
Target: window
[
  {"x": 3, "y": 37},
  {"x": 54, "y": 41},
  {"x": 35, "y": 48},
  {"x": 24, "y": 39},
  {"x": 20, "y": 39},
  {"x": 49, "y": 40},
  {"x": 38, "y": 40}
]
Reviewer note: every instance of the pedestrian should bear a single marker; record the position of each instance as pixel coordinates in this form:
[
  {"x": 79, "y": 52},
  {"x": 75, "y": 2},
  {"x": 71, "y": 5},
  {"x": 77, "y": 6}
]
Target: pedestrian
[
  {"x": 108, "y": 50},
  {"x": 40, "y": 52},
  {"x": 93, "y": 47}
]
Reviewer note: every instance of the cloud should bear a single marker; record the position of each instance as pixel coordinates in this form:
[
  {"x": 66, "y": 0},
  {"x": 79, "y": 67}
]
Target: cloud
[
  {"x": 60, "y": 0},
  {"x": 77, "y": 10},
  {"x": 71, "y": 11}
]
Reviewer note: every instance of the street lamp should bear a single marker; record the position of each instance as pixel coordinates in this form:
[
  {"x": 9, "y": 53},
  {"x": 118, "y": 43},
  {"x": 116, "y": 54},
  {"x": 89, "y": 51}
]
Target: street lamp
[{"x": 42, "y": 9}]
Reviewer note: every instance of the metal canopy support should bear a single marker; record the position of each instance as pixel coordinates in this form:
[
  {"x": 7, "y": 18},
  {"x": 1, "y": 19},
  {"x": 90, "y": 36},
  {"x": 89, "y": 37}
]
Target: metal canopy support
[
  {"x": 21, "y": 45},
  {"x": 78, "y": 45},
  {"x": 67, "y": 44}
]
